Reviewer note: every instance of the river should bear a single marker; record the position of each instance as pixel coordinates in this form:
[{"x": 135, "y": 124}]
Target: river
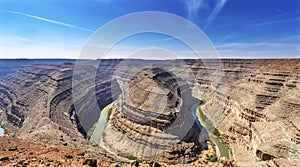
[
  {"x": 206, "y": 127},
  {"x": 221, "y": 148},
  {"x": 1, "y": 131},
  {"x": 101, "y": 124},
  {"x": 193, "y": 110}
]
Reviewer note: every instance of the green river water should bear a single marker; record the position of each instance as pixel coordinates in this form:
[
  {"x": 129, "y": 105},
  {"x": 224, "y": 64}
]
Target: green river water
[{"x": 212, "y": 132}]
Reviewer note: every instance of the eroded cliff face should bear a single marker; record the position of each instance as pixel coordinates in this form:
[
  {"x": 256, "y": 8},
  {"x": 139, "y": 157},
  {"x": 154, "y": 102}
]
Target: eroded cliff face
[
  {"x": 255, "y": 104},
  {"x": 257, "y": 111},
  {"x": 37, "y": 104}
]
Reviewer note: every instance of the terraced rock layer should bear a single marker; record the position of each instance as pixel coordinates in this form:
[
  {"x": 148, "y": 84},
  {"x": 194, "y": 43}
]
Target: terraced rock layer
[
  {"x": 152, "y": 120},
  {"x": 253, "y": 103},
  {"x": 37, "y": 104},
  {"x": 256, "y": 109}
]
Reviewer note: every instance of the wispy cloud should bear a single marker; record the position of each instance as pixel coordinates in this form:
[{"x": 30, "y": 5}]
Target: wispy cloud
[
  {"x": 259, "y": 50},
  {"x": 258, "y": 44},
  {"x": 17, "y": 40},
  {"x": 278, "y": 10},
  {"x": 22, "y": 47},
  {"x": 274, "y": 22},
  {"x": 213, "y": 15},
  {"x": 229, "y": 36},
  {"x": 281, "y": 14},
  {"x": 193, "y": 7},
  {"x": 50, "y": 21},
  {"x": 4, "y": 40},
  {"x": 291, "y": 38},
  {"x": 171, "y": 38}
]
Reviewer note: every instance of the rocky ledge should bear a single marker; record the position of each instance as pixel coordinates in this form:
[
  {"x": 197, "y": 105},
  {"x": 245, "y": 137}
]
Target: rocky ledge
[{"x": 16, "y": 152}]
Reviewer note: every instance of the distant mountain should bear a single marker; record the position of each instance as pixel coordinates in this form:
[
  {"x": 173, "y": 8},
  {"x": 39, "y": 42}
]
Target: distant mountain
[{"x": 9, "y": 66}]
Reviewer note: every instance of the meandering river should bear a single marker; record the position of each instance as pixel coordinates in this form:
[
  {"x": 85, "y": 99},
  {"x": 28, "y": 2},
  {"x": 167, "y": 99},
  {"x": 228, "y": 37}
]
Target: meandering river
[{"x": 207, "y": 130}]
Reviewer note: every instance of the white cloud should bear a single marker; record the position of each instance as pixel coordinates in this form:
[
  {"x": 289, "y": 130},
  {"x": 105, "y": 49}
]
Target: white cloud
[
  {"x": 257, "y": 45},
  {"x": 193, "y": 7},
  {"x": 259, "y": 50},
  {"x": 213, "y": 15},
  {"x": 274, "y": 22},
  {"x": 50, "y": 21}
]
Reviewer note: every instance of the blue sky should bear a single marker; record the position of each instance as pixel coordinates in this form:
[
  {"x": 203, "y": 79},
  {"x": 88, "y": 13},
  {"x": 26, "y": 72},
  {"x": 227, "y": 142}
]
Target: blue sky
[{"x": 237, "y": 28}]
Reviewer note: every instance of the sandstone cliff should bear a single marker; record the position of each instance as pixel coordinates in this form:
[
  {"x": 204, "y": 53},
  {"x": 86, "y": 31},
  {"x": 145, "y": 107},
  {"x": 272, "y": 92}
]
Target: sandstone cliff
[{"x": 256, "y": 109}]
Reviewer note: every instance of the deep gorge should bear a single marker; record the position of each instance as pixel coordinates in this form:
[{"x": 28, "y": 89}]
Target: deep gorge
[{"x": 250, "y": 104}]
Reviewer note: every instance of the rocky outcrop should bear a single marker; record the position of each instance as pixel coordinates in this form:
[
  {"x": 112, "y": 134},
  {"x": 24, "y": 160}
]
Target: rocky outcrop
[
  {"x": 15, "y": 152},
  {"x": 152, "y": 120}
]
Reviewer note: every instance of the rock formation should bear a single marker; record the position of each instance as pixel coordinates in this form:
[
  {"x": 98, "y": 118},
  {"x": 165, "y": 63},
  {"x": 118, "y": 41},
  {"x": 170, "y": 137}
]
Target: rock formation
[
  {"x": 152, "y": 120},
  {"x": 15, "y": 152},
  {"x": 253, "y": 103},
  {"x": 257, "y": 110},
  {"x": 36, "y": 104}
]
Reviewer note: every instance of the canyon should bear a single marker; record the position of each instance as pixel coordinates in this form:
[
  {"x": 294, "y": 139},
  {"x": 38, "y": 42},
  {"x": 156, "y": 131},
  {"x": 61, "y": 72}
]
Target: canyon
[{"x": 253, "y": 104}]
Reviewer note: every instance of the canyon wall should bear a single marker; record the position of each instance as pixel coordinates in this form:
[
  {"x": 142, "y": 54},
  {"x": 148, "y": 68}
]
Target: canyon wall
[
  {"x": 38, "y": 104},
  {"x": 254, "y": 104},
  {"x": 256, "y": 109}
]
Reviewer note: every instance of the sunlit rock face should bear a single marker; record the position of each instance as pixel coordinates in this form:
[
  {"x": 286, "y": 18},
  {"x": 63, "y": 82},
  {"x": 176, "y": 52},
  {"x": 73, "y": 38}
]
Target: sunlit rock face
[
  {"x": 39, "y": 103},
  {"x": 256, "y": 109},
  {"x": 152, "y": 119}
]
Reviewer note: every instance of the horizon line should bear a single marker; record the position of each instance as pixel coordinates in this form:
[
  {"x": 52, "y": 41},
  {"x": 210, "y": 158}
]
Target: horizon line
[{"x": 222, "y": 58}]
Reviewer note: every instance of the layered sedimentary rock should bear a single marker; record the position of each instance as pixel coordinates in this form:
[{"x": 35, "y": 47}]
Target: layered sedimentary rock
[
  {"x": 38, "y": 103},
  {"x": 152, "y": 120},
  {"x": 253, "y": 103},
  {"x": 258, "y": 112}
]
